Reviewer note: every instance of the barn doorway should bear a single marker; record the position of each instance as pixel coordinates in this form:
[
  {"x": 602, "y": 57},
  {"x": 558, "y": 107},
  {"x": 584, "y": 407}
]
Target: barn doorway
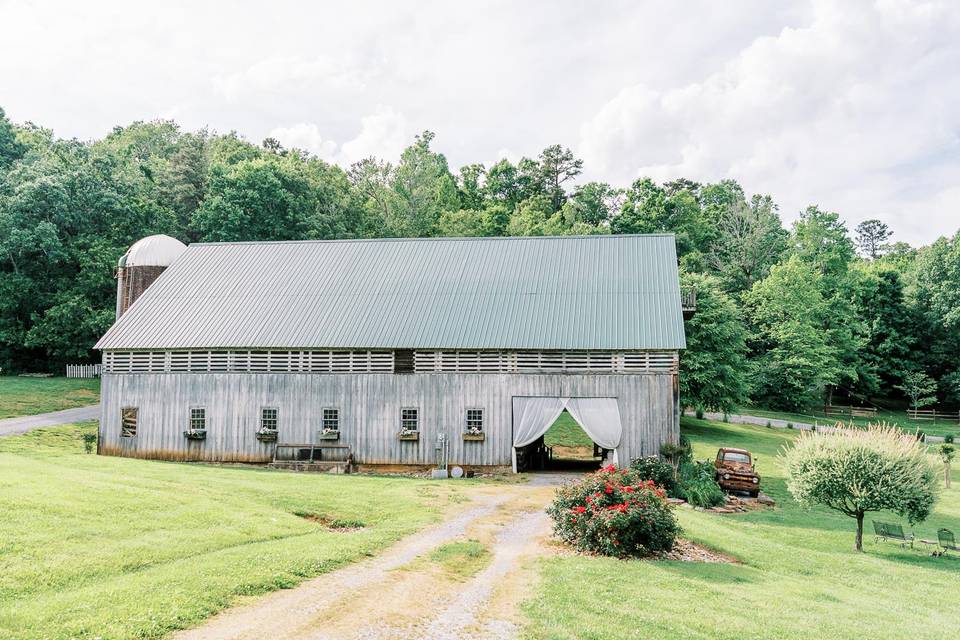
[{"x": 552, "y": 433}]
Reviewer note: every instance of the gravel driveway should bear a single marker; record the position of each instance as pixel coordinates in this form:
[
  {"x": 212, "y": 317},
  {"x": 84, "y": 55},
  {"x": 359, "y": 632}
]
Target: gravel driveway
[
  {"x": 22, "y": 424},
  {"x": 401, "y": 594}
]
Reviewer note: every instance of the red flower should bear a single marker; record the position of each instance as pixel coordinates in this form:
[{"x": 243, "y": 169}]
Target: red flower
[
  {"x": 609, "y": 467},
  {"x": 608, "y": 489},
  {"x": 579, "y": 509}
]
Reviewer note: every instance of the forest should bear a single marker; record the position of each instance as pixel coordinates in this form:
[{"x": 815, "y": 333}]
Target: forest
[{"x": 786, "y": 318}]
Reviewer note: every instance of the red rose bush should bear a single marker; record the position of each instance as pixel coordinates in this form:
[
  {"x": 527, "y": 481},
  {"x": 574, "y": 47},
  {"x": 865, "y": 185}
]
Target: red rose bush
[{"x": 613, "y": 512}]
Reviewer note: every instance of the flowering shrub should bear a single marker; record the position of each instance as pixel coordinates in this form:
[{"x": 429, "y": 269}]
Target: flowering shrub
[{"x": 614, "y": 512}]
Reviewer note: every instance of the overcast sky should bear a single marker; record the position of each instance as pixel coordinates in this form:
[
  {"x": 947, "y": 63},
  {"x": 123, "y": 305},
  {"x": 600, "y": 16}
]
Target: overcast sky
[{"x": 851, "y": 105}]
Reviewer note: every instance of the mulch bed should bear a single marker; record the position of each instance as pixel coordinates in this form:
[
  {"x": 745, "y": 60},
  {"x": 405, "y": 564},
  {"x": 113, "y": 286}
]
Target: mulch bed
[{"x": 687, "y": 551}]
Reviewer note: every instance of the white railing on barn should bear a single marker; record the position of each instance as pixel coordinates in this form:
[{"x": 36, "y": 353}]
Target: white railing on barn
[
  {"x": 546, "y": 362},
  {"x": 84, "y": 370},
  {"x": 248, "y": 362}
]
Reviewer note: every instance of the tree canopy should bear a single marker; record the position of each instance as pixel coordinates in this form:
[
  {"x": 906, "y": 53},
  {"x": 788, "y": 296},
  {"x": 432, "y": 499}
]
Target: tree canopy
[{"x": 787, "y": 317}]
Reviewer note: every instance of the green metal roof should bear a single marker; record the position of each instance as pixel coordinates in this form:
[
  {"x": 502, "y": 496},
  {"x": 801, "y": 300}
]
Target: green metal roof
[{"x": 568, "y": 292}]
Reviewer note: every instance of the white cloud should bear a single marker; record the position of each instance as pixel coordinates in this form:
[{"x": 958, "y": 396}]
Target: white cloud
[
  {"x": 383, "y": 134},
  {"x": 857, "y": 102},
  {"x": 852, "y": 105},
  {"x": 306, "y": 136}
]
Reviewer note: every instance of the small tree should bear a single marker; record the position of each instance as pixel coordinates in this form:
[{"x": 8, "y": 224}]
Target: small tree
[
  {"x": 919, "y": 387},
  {"x": 855, "y": 471},
  {"x": 946, "y": 453}
]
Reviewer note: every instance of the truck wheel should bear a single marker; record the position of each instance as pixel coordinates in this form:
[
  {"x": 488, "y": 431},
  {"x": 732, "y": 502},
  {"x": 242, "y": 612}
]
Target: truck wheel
[{"x": 754, "y": 494}]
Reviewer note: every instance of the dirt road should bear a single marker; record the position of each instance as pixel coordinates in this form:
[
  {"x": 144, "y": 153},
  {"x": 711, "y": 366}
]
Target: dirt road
[
  {"x": 403, "y": 593},
  {"x": 22, "y": 424}
]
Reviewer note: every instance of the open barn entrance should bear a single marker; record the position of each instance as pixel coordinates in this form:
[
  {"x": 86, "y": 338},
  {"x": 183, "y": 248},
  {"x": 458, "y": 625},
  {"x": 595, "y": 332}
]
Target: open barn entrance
[{"x": 564, "y": 433}]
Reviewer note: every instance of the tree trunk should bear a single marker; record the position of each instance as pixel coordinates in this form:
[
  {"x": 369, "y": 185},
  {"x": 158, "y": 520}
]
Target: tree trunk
[
  {"x": 859, "y": 543},
  {"x": 946, "y": 474}
]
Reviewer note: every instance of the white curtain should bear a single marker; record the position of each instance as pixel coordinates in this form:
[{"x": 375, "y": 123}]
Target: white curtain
[
  {"x": 533, "y": 416},
  {"x": 599, "y": 417}
]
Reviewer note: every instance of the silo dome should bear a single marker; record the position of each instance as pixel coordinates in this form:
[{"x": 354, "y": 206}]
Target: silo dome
[
  {"x": 153, "y": 251},
  {"x": 142, "y": 264}
]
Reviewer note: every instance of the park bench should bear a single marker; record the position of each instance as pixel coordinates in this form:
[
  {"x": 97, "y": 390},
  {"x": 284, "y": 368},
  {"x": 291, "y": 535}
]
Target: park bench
[
  {"x": 947, "y": 541},
  {"x": 886, "y": 531}
]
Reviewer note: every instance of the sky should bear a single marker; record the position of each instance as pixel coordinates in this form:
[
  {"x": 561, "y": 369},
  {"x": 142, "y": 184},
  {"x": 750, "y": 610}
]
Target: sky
[{"x": 853, "y": 106}]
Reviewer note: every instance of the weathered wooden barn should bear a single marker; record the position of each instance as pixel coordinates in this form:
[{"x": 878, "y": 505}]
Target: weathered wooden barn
[{"x": 396, "y": 352}]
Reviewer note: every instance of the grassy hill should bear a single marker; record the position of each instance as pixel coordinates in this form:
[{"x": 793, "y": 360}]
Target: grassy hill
[
  {"x": 798, "y": 577},
  {"x": 93, "y": 546},
  {"x": 27, "y": 396}
]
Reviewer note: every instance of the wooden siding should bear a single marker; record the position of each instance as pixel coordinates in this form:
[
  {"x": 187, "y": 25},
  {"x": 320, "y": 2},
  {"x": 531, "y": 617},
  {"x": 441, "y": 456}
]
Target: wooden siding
[{"x": 369, "y": 412}]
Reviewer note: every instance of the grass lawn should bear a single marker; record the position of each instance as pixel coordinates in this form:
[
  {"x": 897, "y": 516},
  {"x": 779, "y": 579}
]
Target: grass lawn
[
  {"x": 565, "y": 432},
  {"x": 899, "y": 418},
  {"x": 97, "y": 547},
  {"x": 27, "y": 396},
  {"x": 799, "y": 577}
]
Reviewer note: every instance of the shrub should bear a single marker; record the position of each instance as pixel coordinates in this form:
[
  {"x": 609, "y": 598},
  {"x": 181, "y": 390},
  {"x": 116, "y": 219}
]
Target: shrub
[
  {"x": 698, "y": 487},
  {"x": 655, "y": 469},
  {"x": 948, "y": 439},
  {"x": 89, "y": 442},
  {"x": 855, "y": 471},
  {"x": 613, "y": 512},
  {"x": 699, "y": 414}
]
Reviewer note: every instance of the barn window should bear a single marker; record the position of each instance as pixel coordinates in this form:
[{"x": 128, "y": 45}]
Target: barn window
[
  {"x": 474, "y": 420},
  {"x": 198, "y": 418},
  {"x": 269, "y": 418},
  {"x": 403, "y": 361},
  {"x": 331, "y": 419},
  {"x": 409, "y": 419},
  {"x": 128, "y": 422}
]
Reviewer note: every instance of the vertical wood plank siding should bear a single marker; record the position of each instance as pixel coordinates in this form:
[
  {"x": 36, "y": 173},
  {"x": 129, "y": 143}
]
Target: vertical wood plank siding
[{"x": 369, "y": 412}]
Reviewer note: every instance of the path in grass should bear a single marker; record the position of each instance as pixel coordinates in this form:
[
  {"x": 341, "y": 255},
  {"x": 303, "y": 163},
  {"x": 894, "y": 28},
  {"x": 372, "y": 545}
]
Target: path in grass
[
  {"x": 32, "y": 396},
  {"x": 462, "y": 578},
  {"x": 23, "y": 424},
  {"x": 94, "y": 546}
]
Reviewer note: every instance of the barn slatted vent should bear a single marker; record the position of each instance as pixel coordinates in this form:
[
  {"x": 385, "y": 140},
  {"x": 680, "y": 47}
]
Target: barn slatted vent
[
  {"x": 546, "y": 362},
  {"x": 247, "y": 362}
]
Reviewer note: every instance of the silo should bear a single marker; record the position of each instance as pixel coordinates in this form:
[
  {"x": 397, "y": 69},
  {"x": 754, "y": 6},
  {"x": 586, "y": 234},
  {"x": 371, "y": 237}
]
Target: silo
[{"x": 142, "y": 264}]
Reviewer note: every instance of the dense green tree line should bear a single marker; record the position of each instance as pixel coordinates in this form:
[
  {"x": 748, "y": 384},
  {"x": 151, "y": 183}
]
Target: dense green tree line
[{"x": 787, "y": 317}]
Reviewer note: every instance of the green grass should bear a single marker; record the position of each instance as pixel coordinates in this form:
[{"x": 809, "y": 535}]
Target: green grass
[
  {"x": 565, "y": 432},
  {"x": 98, "y": 547},
  {"x": 461, "y": 559},
  {"x": 27, "y": 396},
  {"x": 799, "y": 577},
  {"x": 899, "y": 418}
]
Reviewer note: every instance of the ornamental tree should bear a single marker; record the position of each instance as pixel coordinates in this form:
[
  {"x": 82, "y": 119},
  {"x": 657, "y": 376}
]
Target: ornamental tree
[
  {"x": 855, "y": 471},
  {"x": 946, "y": 453}
]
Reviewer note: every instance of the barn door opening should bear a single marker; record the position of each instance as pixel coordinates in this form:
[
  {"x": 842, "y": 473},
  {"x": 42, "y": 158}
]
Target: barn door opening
[{"x": 593, "y": 423}]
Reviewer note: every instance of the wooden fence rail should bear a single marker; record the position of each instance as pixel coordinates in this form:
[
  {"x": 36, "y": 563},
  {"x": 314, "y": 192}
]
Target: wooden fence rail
[
  {"x": 933, "y": 415},
  {"x": 855, "y": 412},
  {"x": 83, "y": 370}
]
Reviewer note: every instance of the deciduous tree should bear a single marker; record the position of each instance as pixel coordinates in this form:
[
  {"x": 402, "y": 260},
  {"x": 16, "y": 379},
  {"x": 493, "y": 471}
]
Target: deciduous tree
[{"x": 856, "y": 471}]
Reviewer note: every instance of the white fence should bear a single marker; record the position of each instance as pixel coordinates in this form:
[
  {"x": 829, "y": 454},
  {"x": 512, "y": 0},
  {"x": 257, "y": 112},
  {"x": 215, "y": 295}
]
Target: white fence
[{"x": 83, "y": 370}]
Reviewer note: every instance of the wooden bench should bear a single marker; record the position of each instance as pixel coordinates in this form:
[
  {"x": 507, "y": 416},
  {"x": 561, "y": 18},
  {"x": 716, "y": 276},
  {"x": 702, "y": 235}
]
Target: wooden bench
[
  {"x": 889, "y": 532},
  {"x": 313, "y": 452}
]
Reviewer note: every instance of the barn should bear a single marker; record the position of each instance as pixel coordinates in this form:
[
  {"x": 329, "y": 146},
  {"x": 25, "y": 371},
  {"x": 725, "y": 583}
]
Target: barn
[{"x": 392, "y": 353}]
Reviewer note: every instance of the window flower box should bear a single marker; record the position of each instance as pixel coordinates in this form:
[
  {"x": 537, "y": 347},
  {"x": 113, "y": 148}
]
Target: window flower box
[
  {"x": 330, "y": 434},
  {"x": 410, "y": 435},
  {"x": 195, "y": 434},
  {"x": 474, "y": 436},
  {"x": 267, "y": 435}
]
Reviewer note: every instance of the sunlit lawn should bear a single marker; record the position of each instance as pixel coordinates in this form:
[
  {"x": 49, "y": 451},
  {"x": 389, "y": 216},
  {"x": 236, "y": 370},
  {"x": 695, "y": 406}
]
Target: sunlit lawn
[
  {"x": 27, "y": 396},
  {"x": 98, "y": 547},
  {"x": 799, "y": 577}
]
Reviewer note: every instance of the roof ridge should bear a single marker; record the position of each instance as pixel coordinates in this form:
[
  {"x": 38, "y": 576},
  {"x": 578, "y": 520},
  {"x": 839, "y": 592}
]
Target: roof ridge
[{"x": 438, "y": 239}]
